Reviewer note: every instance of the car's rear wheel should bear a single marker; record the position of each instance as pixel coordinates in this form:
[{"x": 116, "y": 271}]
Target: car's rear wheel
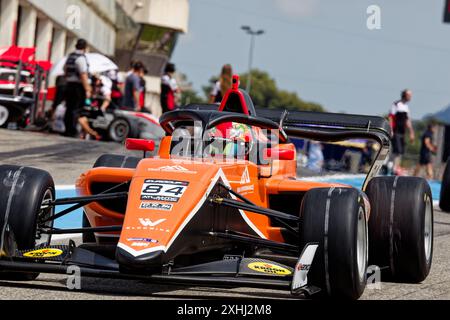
[
  {"x": 444, "y": 200},
  {"x": 24, "y": 193},
  {"x": 109, "y": 161},
  {"x": 335, "y": 218},
  {"x": 117, "y": 161},
  {"x": 401, "y": 227}
]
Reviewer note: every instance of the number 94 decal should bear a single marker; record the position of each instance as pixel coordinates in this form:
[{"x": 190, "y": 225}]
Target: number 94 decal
[{"x": 163, "y": 190}]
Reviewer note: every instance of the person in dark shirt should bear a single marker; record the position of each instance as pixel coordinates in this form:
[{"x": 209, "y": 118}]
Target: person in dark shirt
[
  {"x": 400, "y": 121},
  {"x": 426, "y": 150},
  {"x": 169, "y": 88},
  {"x": 133, "y": 88},
  {"x": 142, "y": 98},
  {"x": 78, "y": 90}
]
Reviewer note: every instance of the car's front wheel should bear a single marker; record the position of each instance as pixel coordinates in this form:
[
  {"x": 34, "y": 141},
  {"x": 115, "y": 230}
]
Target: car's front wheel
[
  {"x": 24, "y": 193},
  {"x": 335, "y": 218}
]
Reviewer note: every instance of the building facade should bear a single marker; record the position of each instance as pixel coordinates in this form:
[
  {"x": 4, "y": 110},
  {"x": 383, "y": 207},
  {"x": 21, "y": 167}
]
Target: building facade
[
  {"x": 159, "y": 24},
  {"x": 121, "y": 29}
]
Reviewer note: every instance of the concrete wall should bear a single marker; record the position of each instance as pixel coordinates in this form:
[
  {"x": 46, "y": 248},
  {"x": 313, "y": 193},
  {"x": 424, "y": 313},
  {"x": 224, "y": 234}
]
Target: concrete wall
[
  {"x": 53, "y": 26},
  {"x": 59, "y": 44},
  {"x": 44, "y": 39},
  {"x": 55, "y": 20},
  {"x": 8, "y": 21},
  {"x": 173, "y": 14},
  {"x": 96, "y": 20},
  {"x": 27, "y": 27}
]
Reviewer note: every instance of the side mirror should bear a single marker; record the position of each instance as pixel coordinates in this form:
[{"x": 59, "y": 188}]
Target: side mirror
[
  {"x": 140, "y": 145},
  {"x": 279, "y": 154}
]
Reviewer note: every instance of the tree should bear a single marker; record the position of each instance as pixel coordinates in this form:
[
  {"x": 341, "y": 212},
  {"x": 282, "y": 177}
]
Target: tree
[
  {"x": 264, "y": 93},
  {"x": 188, "y": 94},
  {"x": 209, "y": 87}
]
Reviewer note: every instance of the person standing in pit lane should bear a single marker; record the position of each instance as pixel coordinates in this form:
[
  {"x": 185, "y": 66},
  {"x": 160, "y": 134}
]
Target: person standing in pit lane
[
  {"x": 223, "y": 85},
  {"x": 400, "y": 120},
  {"x": 133, "y": 88},
  {"x": 427, "y": 149},
  {"x": 78, "y": 90},
  {"x": 142, "y": 99},
  {"x": 169, "y": 88}
]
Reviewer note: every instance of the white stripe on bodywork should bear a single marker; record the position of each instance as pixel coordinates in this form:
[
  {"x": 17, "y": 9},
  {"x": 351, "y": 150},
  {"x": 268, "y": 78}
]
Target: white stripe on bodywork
[{"x": 219, "y": 175}]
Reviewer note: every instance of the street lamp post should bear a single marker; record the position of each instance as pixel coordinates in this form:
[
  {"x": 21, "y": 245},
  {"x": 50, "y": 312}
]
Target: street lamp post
[{"x": 253, "y": 34}]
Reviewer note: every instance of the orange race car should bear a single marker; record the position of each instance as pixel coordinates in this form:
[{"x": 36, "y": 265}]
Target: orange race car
[{"x": 220, "y": 205}]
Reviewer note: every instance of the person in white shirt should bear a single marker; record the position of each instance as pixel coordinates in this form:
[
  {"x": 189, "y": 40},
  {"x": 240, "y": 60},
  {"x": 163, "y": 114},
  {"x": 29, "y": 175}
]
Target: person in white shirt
[
  {"x": 400, "y": 121},
  {"x": 223, "y": 85}
]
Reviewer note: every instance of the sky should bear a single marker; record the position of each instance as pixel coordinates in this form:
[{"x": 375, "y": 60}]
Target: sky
[{"x": 323, "y": 50}]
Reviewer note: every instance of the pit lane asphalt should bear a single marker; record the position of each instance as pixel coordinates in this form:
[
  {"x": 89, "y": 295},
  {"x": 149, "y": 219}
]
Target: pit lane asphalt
[{"x": 66, "y": 158}]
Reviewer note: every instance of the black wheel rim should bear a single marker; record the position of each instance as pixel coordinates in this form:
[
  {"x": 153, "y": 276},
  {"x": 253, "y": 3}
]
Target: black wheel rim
[
  {"x": 45, "y": 212},
  {"x": 119, "y": 130}
]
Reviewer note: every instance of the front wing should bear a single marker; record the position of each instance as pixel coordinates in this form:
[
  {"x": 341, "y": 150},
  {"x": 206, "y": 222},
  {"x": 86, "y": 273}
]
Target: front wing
[{"x": 232, "y": 271}]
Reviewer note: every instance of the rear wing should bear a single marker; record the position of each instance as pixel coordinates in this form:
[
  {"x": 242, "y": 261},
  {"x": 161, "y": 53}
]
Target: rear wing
[
  {"x": 331, "y": 121},
  {"x": 333, "y": 127},
  {"x": 306, "y": 119}
]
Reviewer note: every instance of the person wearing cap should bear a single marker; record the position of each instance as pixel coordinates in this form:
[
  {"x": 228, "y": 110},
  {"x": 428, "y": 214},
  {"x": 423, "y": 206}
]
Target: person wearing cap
[
  {"x": 78, "y": 89},
  {"x": 168, "y": 88},
  {"x": 133, "y": 88}
]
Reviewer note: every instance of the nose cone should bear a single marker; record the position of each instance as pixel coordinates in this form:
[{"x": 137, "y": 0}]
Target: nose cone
[{"x": 152, "y": 261}]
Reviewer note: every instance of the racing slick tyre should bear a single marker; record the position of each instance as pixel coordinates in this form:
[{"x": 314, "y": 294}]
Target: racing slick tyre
[
  {"x": 335, "y": 218},
  {"x": 109, "y": 161},
  {"x": 401, "y": 227},
  {"x": 23, "y": 191},
  {"x": 117, "y": 161},
  {"x": 444, "y": 202},
  {"x": 121, "y": 129}
]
